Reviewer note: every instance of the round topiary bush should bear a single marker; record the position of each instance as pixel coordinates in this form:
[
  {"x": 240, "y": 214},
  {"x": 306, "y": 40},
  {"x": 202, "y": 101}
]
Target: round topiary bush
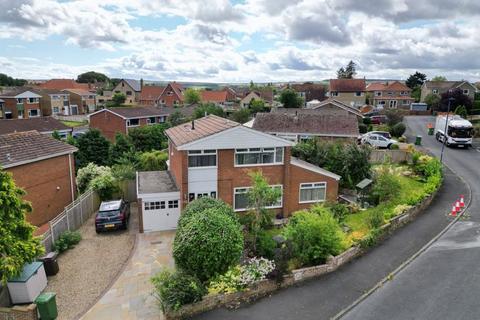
[
  {"x": 398, "y": 130},
  {"x": 362, "y": 128},
  {"x": 208, "y": 243},
  {"x": 202, "y": 204}
]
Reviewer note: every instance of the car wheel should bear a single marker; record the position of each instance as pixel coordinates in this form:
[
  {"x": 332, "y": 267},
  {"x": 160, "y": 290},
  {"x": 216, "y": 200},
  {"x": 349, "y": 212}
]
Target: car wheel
[
  {"x": 389, "y": 146},
  {"x": 97, "y": 230},
  {"x": 125, "y": 225}
]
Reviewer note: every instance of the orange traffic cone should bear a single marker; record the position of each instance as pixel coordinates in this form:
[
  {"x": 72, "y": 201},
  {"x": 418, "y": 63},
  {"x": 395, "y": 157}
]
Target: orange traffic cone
[
  {"x": 454, "y": 211},
  {"x": 462, "y": 202},
  {"x": 457, "y": 206}
]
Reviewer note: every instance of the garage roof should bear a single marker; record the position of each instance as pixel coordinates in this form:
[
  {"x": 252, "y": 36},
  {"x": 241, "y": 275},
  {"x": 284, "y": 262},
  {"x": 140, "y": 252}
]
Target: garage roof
[{"x": 156, "y": 182}]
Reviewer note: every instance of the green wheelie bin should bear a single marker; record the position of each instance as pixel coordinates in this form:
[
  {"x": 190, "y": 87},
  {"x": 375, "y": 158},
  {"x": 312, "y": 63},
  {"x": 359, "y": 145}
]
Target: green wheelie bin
[{"x": 47, "y": 306}]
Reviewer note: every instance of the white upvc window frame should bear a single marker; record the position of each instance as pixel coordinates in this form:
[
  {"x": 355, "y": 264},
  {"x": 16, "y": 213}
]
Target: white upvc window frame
[
  {"x": 310, "y": 186},
  {"x": 435, "y": 91},
  {"x": 276, "y": 162},
  {"x": 206, "y": 152},
  {"x": 378, "y": 93},
  {"x": 358, "y": 94},
  {"x": 149, "y": 120},
  {"x": 466, "y": 92},
  {"x": 244, "y": 190},
  {"x": 39, "y": 114},
  {"x": 334, "y": 93},
  {"x": 135, "y": 125}
]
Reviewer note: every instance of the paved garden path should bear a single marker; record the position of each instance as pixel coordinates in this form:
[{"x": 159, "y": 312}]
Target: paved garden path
[{"x": 131, "y": 297}]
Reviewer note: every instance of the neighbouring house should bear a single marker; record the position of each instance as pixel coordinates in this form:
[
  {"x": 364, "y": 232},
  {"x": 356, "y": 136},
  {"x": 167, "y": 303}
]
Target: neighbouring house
[
  {"x": 302, "y": 126},
  {"x": 131, "y": 88},
  {"x": 62, "y": 84},
  {"x": 102, "y": 98},
  {"x": 264, "y": 95},
  {"x": 150, "y": 95},
  {"x": 348, "y": 91},
  {"x": 81, "y": 102},
  {"x": 441, "y": 87},
  {"x": 172, "y": 95},
  {"x": 2, "y": 108},
  {"x": 43, "y": 125},
  {"x": 212, "y": 156},
  {"x": 309, "y": 91},
  {"x": 216, "y": 97},
  {"x": 231, "y": 94},
  {"x": 53, "y": 101},
  {"x": 331, "y": 107},
  {"x": 21, "y": 103},
  {"x": 390, "y": 95},
  {"x": 44, "y": 167},
  {"x": 121, "y": 119}
]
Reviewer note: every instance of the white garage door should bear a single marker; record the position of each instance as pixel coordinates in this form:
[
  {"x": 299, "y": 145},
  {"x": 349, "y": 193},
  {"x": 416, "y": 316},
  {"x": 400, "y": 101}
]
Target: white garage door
[{"x": 160, "y": 215}]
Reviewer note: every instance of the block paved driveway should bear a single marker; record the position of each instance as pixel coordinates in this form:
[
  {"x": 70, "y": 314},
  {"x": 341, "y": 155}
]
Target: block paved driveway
[{"x": 131, "y": 297}]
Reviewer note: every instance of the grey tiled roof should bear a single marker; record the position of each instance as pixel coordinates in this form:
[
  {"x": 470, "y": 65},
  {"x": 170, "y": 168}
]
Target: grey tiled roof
[
  {"x": 42, "y": 124},
  {"x": 135, "y": 84},
  {"x": 30, "y": 146}
]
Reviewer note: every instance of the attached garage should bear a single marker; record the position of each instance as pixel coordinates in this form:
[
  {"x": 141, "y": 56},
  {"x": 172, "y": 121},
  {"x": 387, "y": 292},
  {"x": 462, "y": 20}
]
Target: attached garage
[{"x": 158, "y": 201}]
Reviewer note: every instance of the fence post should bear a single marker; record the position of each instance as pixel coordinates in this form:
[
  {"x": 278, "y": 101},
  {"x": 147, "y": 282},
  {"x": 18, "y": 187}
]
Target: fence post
[
  {"x": 68, "y": 221},
  {"x": 81, "y": 210},
  {"x": 51, "y": 232}
]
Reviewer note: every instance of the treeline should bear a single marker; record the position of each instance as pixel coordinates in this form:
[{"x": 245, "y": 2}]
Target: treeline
[{"x": 7, "y": 81}]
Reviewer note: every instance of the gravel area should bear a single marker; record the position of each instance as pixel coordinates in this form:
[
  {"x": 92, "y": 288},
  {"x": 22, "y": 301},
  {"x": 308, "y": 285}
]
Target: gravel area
[{"x": 91, "y": 267}]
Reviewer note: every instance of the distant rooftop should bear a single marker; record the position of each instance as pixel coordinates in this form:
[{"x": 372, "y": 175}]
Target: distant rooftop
[{"x": 42, "y": 125}]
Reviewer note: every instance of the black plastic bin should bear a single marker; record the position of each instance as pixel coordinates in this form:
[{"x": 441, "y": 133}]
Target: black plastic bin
[{"x": 50, "y": 263}]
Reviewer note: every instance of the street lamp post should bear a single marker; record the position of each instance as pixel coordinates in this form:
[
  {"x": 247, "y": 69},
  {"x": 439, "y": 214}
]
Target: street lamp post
[{"x": 445, "y": 129}]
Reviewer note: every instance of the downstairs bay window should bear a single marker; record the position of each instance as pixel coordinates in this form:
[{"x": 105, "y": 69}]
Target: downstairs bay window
[
  {"x": 312, "y": 192},
  {"x": 240, "y": 199}
]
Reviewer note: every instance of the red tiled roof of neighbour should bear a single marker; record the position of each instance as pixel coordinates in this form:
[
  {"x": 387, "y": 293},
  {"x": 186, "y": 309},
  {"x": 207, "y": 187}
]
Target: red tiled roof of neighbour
[
  {"x": 151, "y": 92},
  {"x": 213, "y": 96},
  {"x": 30, "y": 146},
  {"x": 61, "y": 84},
  {"x": 347, "y": 85},
  {"x": 203, "y": 127},
  {"x": 143, "y": 112},
  {"x": 42, "y": 124},
  {"x": 377, "y": 86},
  {"x": 397, "y": 86},
  {"x": 177, "y": 87},
  {"x": 307, "y": 123},
  {"x": 80, "y": 92}
]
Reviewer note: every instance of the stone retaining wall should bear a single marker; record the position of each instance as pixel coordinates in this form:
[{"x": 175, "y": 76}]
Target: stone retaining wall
[
  {"x": 28, "y": 312},
  {"x": 266, "y": 287}
]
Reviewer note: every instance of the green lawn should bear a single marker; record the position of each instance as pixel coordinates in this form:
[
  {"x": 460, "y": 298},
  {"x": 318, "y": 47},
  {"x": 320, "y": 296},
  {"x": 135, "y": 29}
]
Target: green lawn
[{"x": 74, "y": 124}]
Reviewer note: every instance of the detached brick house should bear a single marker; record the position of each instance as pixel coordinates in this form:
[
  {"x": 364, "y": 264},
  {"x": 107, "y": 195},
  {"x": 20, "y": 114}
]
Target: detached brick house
[
  {"x": 131, "y": 88},
  {"x": 150, "y": 95},
  {"x": 112, "y": 120},
  {"x": 172, "y": 95},
  {"x": 348, "y": 91},
  {"x": 212, "y": 156},
  {"x": 44, "y": 168},
  {"x": 390, "y": 95},
  {"x": 21, "y": 103}
]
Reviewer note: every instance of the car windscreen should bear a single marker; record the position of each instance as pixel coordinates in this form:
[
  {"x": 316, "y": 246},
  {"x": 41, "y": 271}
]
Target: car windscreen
[
  {"x": 110, "y": 213},
  {"x": 460, "y": 132}
]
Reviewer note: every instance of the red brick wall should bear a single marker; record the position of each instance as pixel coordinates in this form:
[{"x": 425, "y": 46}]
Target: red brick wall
[
  {"x": 40, "y": 180},
  {"x": 179, "y": 169},
  {"x": 11, "y": 104},
  {"x": 108, "y": 123}
]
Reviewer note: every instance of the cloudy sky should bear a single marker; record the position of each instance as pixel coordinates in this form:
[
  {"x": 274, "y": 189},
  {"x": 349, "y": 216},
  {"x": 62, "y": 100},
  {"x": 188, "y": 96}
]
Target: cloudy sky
[{"x": 236, "y": 41}]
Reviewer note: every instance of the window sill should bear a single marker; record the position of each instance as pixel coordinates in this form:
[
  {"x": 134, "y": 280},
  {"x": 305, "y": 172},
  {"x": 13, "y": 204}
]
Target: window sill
[
  {"x": 257, "y": 165},
  {"x": 311, "y": 201},
  {"x": 242, "y": 210},
  {"x": 196, "y": 168}
]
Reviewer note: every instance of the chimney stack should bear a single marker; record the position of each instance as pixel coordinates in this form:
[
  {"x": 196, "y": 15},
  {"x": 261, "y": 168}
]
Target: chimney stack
[
  {"x": 193, "y": 124},
  {"x": 141, "y": 84}
]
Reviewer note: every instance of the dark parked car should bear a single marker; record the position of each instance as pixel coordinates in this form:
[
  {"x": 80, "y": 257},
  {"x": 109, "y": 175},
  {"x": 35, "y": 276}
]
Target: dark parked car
[
  {"x": 112, "y": 215},
  {"x": 378, "y": 119}
]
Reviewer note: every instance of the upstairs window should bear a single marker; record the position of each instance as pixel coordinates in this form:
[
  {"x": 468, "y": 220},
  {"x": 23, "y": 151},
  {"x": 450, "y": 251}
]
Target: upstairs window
[
  {"x": 32, "y": 100},
  {"x": 258, "y": 156},
  {"x": 202, "y": 158},
  {"x": 435, "y": 91},
  {"x": 129, "y": 93},
  {"x": 133, "y": 122},
  {"x": 466, "y": 91},
  {"x": 358, "y": 94},
  {"x": 378, "y": 93},
  {"x": 19, "y": 100}
]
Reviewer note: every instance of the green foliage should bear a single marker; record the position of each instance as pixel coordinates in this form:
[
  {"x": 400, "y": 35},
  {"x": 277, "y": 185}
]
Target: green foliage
[
  {"x": 229, "y": 282},
  {"x": 118, "y": 99},
  {"x": 175, "y": 289},
  {"x": 347, "y": 72},
  {"x": 461, "y": 111},
  {"x": 315, "y": 235},
  {"x": 398, "y": 129},
  {"x": 197, "y": 206},
  {"x": 367, "y": 121},
  {"x": 176, "y": 118},
  {"x": 416, "y": 80},
  {"x": 256, "y": 106},
  {"x": 67, "y": 240},
  {"x": 208, "y": 108},
  {"x": 153, "y": 161},
  {"x": 7, "y": 81},
  {"x": 71, "y": 140},
  {"x": 191, "y": 96},
  {"x": 124, "y": 171},
  {"x": 339, "y": 210},
  {"x": 362, "y": 128},
  {"x": 375, "y": 218},
  {"x": 350, "y": 161},
  {"x": 86, "y": 174},
  {"x": 439, "y": 78},
  {"x": 416, "y": 93},
  {"x": 386, "y": 186},
  {"x": 266, "y": 245},
  {"x": 148, "y": 138},
  {"x": 122, "y": 147},
  {"x": 105, "y": 186},
  {"x": 460, "y": 99},
  {"x": 432, "y": 100},
  {"x": 56, "y": 135},
  {"x": 290, "y": 99},
  {"x": 92, "y": 77},
  {"x": 92, "y": 147},
  {"x": 207, "y": 244},
  {"x": 394, "y": 116},
  {"x": 18, "y": 246},
  {"x": 241, "y": 116},
  {"x": 396, "y": 146},
  {"x": 371, "y": 239}
]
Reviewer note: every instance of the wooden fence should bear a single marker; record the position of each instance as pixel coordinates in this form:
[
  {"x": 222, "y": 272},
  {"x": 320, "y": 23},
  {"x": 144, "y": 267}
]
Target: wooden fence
[{"x": 394, "y": 156}]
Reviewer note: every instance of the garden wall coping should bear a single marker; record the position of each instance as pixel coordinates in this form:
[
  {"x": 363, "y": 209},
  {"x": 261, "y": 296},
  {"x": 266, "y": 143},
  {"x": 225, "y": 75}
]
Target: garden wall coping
[{"x": 266, "y": 287}]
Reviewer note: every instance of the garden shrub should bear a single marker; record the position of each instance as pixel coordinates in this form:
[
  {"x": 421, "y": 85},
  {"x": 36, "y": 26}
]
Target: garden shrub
[
  {"x": 398, "y": 129},
  {"x": 339, "y": 210},
  {"x": 86, "y": 174},
  {"x": 386, "y": 186},
  {"x": 175, "y": 289},
  {"x": 153, "y": 160},
  {"x": 394, "y": 147},
  {"x": 266, "y": 245},
  {"x": 393, "y": 117},
  {"x": 371, "y": 239},
  {"x": 367, "y": 121},
  {"x": 375, "y": 218},
  {"x": 105, "y": 186},
  {"x": 229, "y": 282},
  {"x": 314, "y": 236},
  {"x": 67, "y": 240},
  {"x": 362, "y": 128},
  {"x": 201, "y": 204},
  {"x": 207, "y": 244}
]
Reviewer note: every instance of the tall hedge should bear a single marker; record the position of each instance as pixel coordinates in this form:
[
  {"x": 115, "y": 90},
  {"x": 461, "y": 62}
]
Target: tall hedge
[
  {"x": 199, "y": 205},
  {"x": 207, "y": 244}
]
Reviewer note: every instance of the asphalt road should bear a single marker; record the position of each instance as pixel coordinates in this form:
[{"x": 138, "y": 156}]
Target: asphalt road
[
  {"x": 324, "y": 297},
  {"x": 444, "y": 281}
]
